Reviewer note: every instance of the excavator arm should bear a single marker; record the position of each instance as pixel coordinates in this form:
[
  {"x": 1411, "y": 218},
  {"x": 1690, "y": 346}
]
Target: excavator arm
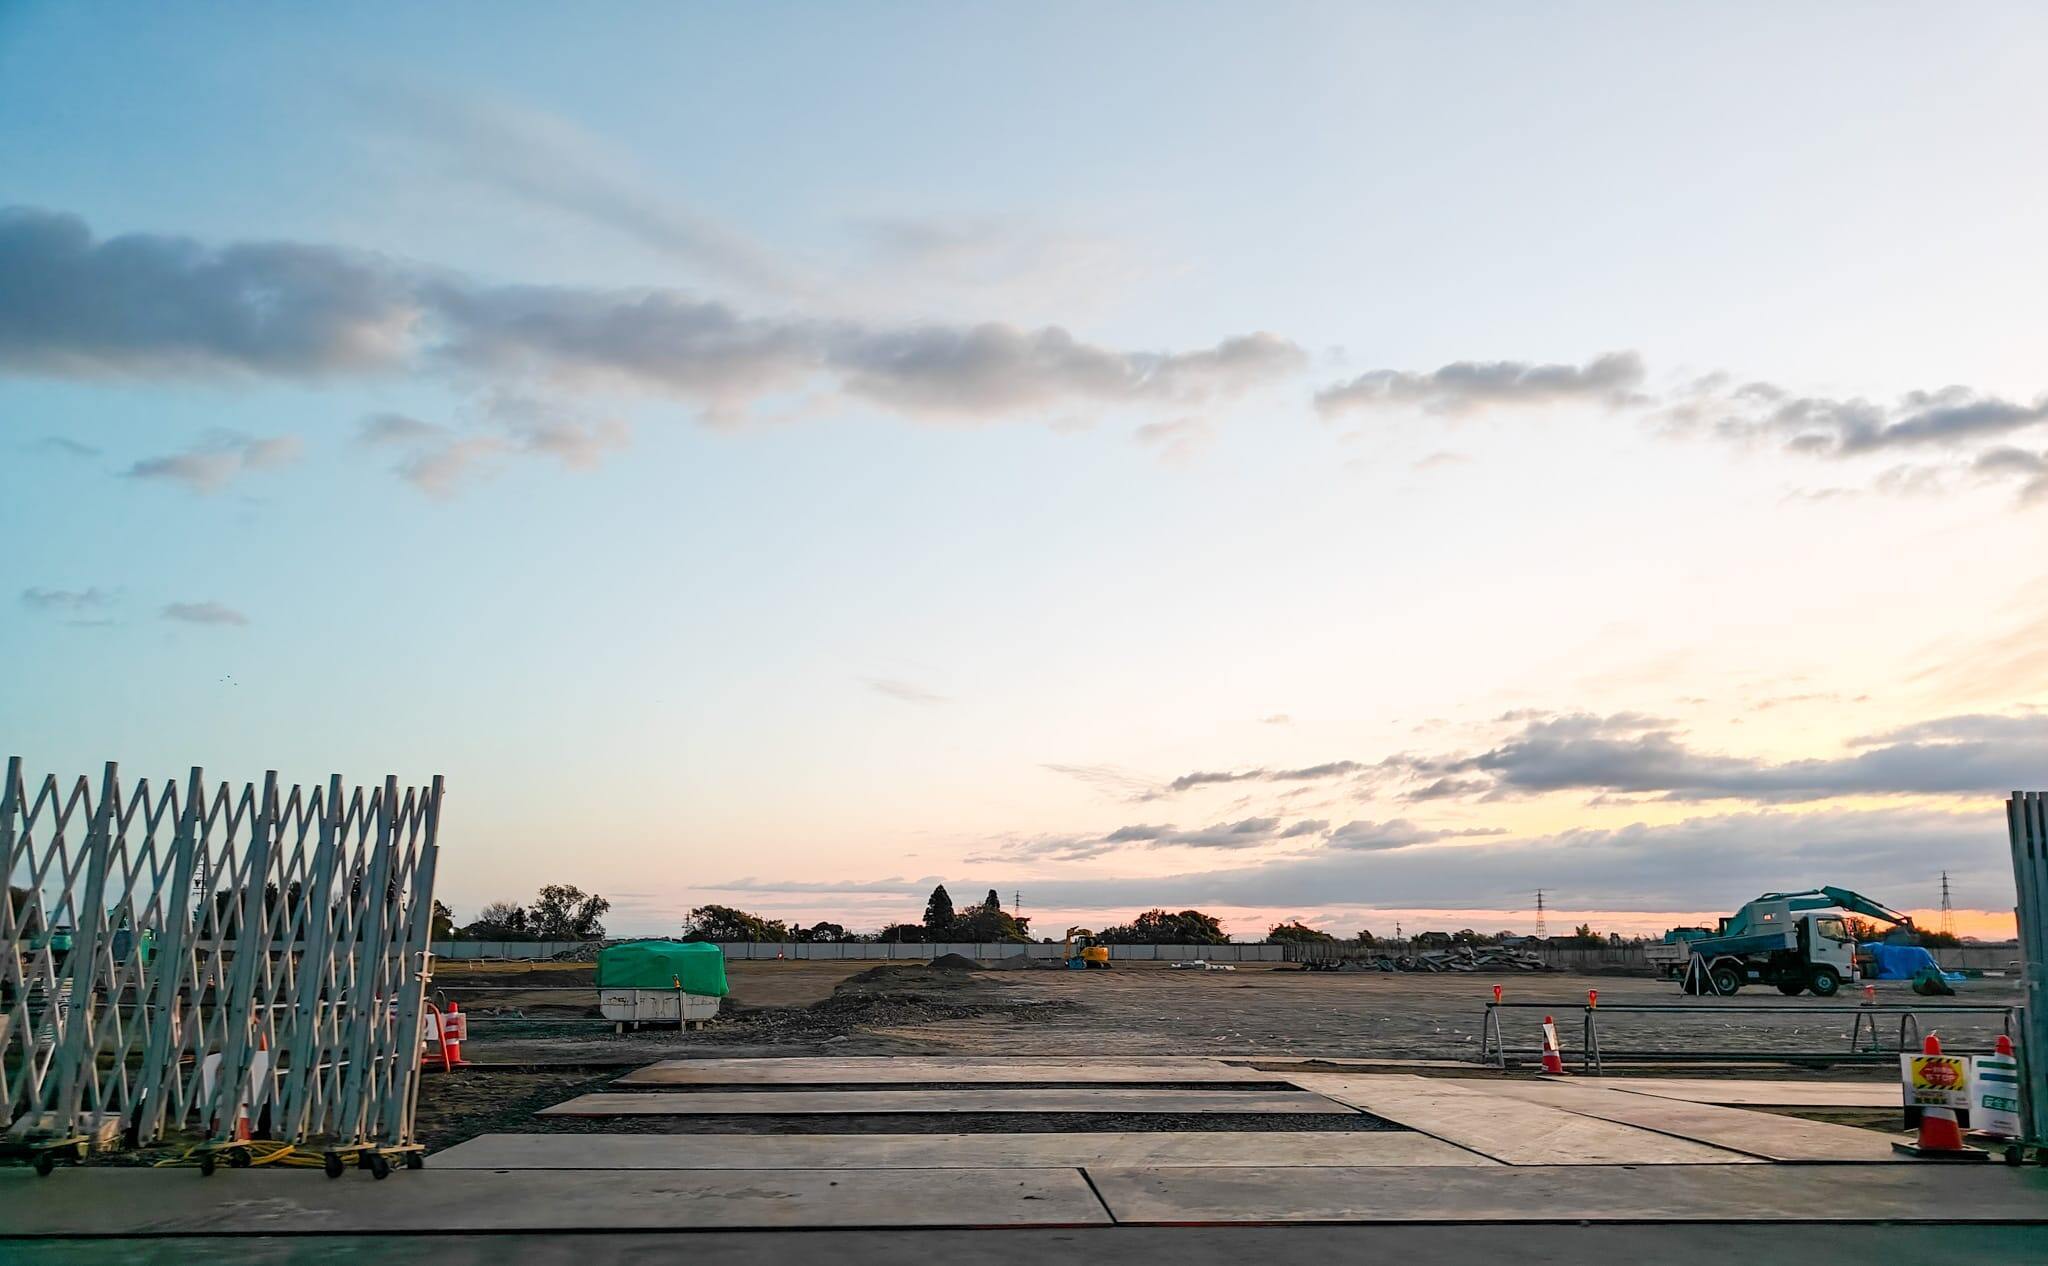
[{"x": 1826, "y": 898}]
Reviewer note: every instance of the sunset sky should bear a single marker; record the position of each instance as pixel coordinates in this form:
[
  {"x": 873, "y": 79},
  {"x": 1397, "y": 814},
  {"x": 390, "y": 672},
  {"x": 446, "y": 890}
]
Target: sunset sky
[{"x": 1294, "y": 460}]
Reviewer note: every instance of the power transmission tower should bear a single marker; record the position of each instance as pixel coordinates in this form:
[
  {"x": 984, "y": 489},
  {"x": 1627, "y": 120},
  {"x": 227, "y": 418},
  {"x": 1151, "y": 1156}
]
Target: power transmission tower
[
  {"x": 1016, "y": 904},
  {"x": 1542, "y": 924},
  {"x": 1948, "y": 911}
]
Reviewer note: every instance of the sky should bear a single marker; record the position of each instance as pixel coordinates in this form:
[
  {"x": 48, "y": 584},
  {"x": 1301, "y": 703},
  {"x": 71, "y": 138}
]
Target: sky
[{"x": 1354, "y": 463}]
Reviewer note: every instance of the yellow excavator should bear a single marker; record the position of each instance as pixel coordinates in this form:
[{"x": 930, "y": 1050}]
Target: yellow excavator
[{"x": 1081, "y": 951}]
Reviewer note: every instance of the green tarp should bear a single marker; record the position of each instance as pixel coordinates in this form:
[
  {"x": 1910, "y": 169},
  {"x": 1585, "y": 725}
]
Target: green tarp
[{"x": 697, "y": 966}]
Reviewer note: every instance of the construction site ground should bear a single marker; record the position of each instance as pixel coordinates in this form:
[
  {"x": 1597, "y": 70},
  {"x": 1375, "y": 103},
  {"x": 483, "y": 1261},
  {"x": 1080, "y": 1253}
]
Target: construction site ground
[{"x": 862, "y": 1115}]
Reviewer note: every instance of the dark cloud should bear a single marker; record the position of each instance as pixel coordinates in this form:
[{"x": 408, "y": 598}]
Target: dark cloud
[
  {"x": 1333, "y": 769},
  {"x": 1631, "y": 753},
  {"x": 1466, "y": 386},
  {"x": 72, "y": 600},
  {"x": 219, "y": 460},
  {"x": 1700, "y": 865},
  {"x": 142, "y": 305},
  {"x": 67, "y": 446},
  {"x": 2030, "y": 468},
  {"x": 1366, "y": 836},
  {"x": 203, "y": 613},
  {"x": 397, "y": 428}
]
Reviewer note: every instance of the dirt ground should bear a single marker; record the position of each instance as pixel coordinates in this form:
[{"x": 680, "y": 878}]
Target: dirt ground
[
  {"x": 557, "y": 1047},
  {"x": 853, "y": 1008}
]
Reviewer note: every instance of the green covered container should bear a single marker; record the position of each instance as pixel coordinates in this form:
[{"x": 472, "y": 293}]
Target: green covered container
[{"x": 698, "y": 966}]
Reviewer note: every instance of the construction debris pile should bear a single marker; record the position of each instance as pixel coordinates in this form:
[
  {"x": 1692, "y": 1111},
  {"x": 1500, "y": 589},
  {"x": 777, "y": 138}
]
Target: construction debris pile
[{"x": 1456, "y": 958}]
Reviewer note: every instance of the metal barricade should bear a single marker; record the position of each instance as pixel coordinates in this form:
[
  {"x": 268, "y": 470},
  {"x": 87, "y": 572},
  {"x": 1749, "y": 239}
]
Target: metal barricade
[{"x": 1864, "y": 1019}]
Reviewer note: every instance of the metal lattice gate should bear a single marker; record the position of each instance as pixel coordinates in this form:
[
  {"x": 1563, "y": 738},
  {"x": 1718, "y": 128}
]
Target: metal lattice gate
[
  {"x": 216, "y": 959},
  {"x": 2027, "y": 820}
]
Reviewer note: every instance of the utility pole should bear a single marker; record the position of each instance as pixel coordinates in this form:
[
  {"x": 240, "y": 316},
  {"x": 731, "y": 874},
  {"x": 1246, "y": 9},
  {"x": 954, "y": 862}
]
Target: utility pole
[
  {"x": 1542, "y": 923},
  {"x": 1948, "y": 911}
]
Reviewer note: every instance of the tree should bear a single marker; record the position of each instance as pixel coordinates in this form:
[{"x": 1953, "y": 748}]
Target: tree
[
  {"x": 982, "y": 924},
  {"x": 1296, "y": 931},
  {"x": 444, "y": 922},
  {"x": 994, "y": 902},
  {"x": 1162, "y": 927},
  {"x": 822, "y": 934},
  {"x": 902, "y": 934},
  {"x": 727, "y": 925},
  {"x": 499, "y": 921},
  {"x": 938, "y": 912},
  {"x": 1939, "y": 940},
  {"x": 1367, "y": 938},
  {"x": 564, "y": 912}
]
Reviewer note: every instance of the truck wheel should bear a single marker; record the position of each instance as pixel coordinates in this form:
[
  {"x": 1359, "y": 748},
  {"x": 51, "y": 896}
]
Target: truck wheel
[
  {"x": 1824, "y": 981},
  {"x": 1792, "y": 989},
  {"x": 1726, "y": 979}
]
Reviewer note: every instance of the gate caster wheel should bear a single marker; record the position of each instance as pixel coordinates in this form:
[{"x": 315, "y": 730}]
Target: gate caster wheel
[
  {"x": 2015, "y": 1155},
  {"x": 239, "y": 1158},
  {"x": 380, "y": 1165},
  {"x": 206, "y": 1164},
  {"x": 333, "y": 1165},
  {"x": 46, "y": 1163},
  {"x": 415, "y": 1160}
]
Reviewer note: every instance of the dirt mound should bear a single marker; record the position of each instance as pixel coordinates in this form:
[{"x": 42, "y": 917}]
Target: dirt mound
[{"x": 920, "y": 972}]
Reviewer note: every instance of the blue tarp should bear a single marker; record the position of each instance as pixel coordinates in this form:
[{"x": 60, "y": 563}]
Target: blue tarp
[{"x": 1904, "y": 962}]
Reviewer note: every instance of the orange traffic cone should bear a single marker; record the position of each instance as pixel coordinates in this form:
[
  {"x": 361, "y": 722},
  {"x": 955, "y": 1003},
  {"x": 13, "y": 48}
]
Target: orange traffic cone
[
  {"x": 1940, "y": 1137},
  {"x": 1553, "y": 1059},
  {"x": 454, "y": 1027}
]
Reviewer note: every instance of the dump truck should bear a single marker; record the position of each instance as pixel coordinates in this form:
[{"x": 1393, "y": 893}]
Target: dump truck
[{"x": 1795, "y": 941}]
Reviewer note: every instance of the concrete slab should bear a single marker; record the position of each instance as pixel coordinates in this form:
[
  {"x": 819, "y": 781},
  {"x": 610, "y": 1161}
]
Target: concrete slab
[
  {"x": 258, "y": 1202},
  {"x": 1762, "y": 1134},
  {"x": 922, "y": 1070},
  {"x": 1509, "y": 1130},
  {"x": 835, "y": 1102},
  {"x": 1706, "y": 1193},
  {"x": 1759, "y": 1093},
  {"x": 1211, "y": 1148}
]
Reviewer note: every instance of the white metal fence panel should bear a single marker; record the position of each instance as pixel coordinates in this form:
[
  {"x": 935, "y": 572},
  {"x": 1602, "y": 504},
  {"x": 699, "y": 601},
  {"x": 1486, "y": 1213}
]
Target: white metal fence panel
[{"x": 193, "y": 957}]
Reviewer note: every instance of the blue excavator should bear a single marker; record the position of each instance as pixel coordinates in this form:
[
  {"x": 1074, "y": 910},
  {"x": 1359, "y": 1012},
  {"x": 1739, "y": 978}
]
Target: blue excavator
[{"x": 1796, "y": 941}]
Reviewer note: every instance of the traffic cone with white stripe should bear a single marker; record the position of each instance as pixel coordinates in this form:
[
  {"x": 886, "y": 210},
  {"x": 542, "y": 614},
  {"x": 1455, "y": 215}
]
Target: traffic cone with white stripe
[
  {"x": 1553, "y": 1058},
  {"x": 1940, "y": 1137}
]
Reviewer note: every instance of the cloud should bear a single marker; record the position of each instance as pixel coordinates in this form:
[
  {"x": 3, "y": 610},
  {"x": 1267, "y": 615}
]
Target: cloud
[
  {"x": 71, "y": 306},
  {"x": 2030, "y": 468},
  {"x": 1121, "y": 783},
  {"x": 73, "y": 600},
  {"x": 550, "y": 163},
  {"x": 67, "y": 446},
  {"x": 1892, "y": 853},
  {"x": 1632, "y": 753},
  {"x": 1178, "y": 442},
  {"x": 904, "y": 691},
  {"x": 396, "y": 428},
  {"x": 138, "y": 305},
  {"x": 1245, "y": 833},
  {"x": 1468, "y": 386},
  {"x": 441, "y": 459},
  {"x": 203, "y": 613},
  {"x": 1333, "y": 769},
  {"x": 1397, "y": 833},
  {"x": 219, "y": 460}
]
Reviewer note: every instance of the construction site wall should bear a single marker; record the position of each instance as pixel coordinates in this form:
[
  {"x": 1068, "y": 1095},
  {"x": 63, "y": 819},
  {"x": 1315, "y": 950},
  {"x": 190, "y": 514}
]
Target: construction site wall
[{"x": 857, "y": 950}]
